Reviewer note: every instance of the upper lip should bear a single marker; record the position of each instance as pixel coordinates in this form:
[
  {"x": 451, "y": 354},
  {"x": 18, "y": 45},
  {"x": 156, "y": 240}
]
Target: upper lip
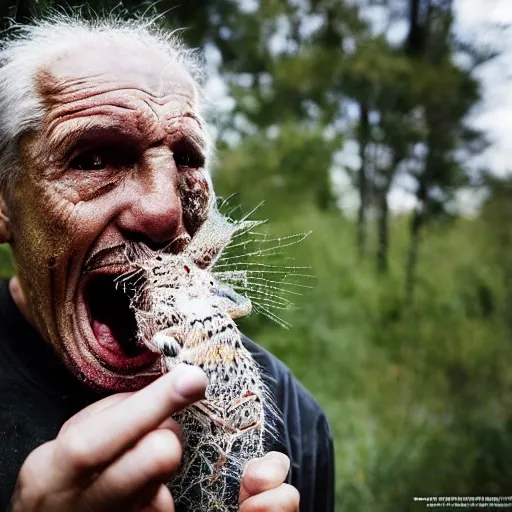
[{"x": 114, "y": 257}]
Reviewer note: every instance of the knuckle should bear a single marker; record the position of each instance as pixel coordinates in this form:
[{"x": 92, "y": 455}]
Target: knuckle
[
  {"x": 73, "y": 447},
  {"x": 31, "y": 489},
  {"x": 24, "y": 484},
  {"x": 36, "y": 459},
  {"x": 32, "y": 461},
  {"x": 165, "y": 450},
  {"x": 64, "y": 427}
]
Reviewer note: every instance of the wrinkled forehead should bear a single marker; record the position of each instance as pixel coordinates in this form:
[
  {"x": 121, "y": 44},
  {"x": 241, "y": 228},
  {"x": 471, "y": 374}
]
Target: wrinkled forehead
[{"x": 111, "y": 64}]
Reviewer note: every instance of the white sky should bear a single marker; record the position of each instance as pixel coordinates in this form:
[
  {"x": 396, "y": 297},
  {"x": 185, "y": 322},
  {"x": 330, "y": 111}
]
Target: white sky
[{"x": 477, "y": 21}]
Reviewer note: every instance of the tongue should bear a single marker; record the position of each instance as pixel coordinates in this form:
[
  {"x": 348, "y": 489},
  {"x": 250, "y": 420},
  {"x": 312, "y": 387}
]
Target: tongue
[
  {"x": 116, "y": 353},
  {"x": 105, "y": 336}
]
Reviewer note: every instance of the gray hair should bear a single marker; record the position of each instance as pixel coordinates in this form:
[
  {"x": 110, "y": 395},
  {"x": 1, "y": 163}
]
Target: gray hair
[{"x": 29, "y": 47}]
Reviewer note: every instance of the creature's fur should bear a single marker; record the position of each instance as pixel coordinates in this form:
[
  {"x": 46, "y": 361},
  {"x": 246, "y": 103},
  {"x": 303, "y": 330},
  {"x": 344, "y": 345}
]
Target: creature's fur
[{"x": 186, "y": 313}]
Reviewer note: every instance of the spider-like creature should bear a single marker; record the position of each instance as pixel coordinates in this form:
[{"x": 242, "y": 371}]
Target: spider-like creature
[{"x": 185, "y": 313}]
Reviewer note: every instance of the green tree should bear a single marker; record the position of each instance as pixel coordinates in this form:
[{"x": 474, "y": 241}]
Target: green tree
[{"x": 447, "y": 94}]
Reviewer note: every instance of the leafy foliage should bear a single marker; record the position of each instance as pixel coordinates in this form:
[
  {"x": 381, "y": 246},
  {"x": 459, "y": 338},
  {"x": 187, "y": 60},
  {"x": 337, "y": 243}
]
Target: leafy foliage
[{"x": 418, "y": 393}]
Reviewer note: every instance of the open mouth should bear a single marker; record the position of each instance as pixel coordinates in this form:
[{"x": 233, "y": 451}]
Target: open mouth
[{"x": 114, "y": 337}]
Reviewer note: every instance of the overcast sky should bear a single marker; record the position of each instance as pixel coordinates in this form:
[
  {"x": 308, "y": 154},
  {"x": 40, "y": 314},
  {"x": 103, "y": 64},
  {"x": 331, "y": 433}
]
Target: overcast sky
[{"x": 479, "y": 21}]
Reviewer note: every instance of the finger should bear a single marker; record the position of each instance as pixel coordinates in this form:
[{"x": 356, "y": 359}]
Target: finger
[
  {"x": 263, "y": 474},
  {"x": 101, "y": 405},
  {"x": 284, "y": 498},
  {"x": 173, "y": 426},
  {"x": 94, "y": 408},
  {"x": 152, "y": 461},
  {"x": 100, "y": 438},
  {"x": 161, "y": 502}
]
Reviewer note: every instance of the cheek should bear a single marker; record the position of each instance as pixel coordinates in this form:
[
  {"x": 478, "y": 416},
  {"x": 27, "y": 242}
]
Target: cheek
[
  {"x": 42, "y": 247},
  {"x": 53, "y": 224},
  {"x": 55, "y": 229},
  {"x": 195, "y": 198},
  {"x": 40, "y": 224}
]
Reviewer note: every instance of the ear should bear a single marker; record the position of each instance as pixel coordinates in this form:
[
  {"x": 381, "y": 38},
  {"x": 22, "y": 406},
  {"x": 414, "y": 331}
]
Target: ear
[
  {"x": 5, "y": 229},
  {"x": 19, "y": 298}
]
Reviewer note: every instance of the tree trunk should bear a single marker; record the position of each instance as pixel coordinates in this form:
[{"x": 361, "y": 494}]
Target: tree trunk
[
  {"x": 434, "y": 50},
  {"x": 419, "y": 19},
  {"x": 412, "y": 256},
  {"x": 383, "y": 234},
  {"x": 417, "y": 222},
  {"x": 363, "y": 136},
  {"x": 385, "y": 178}
]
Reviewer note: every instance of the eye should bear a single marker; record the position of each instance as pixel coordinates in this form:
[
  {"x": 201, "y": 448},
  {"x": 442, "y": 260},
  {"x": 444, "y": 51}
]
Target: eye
[
  {"x": 192, "y": 160},
  {"x": 97, "y": 159},
  {"x": 187, "y": 155},
  {"x": 89, "y": 161}
]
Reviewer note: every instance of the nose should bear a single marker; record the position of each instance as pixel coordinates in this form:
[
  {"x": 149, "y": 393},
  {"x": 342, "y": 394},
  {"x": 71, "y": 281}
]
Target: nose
[{"x": 154, "y": 213}]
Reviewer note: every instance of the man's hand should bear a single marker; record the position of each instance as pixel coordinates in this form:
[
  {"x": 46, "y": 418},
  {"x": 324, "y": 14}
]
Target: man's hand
[
  {"x": 263, "y": 488},
  {"x": 115, "y": 455}
]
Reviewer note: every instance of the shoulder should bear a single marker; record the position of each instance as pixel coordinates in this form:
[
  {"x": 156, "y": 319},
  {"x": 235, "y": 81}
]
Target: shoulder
[
  {"x": 304, "y": 433},
  {"x": 291, "y": 396}
]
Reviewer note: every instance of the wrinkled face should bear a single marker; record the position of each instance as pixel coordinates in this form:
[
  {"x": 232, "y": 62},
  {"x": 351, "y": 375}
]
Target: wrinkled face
[{"x": 119, "y": 158}]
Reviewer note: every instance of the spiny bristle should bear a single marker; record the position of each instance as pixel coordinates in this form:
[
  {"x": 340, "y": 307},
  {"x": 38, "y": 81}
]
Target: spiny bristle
[{"x": 184, "y": 304}]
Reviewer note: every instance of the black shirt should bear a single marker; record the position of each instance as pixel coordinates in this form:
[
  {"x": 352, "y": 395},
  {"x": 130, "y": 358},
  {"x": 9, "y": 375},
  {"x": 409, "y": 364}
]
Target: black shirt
[{"x": 38, "y": 394}]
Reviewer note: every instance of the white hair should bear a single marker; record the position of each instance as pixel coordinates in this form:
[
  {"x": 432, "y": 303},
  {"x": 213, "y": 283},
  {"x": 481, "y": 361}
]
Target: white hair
[{"x": 29, "y": 47}]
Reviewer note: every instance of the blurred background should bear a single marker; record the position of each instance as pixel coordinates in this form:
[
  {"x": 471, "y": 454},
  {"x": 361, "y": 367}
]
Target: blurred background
[{"x": 382, "y": 127}]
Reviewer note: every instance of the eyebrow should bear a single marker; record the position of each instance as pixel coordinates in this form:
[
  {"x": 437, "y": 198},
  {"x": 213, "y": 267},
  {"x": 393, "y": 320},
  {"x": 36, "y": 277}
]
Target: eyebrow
[
  {"x": 92, "y": 133},
  {"x": 87, "y": 135}
]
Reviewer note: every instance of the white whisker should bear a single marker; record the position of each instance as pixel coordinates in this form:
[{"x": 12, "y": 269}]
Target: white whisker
[
  {"x": 256, "y": 287},
  {"x": 264, "y": 311},
  {"x": 266, "y": 265},
  {"x": 254, "y": 210},
  {"x": 278, "y": 298},
  {"x": 288, "y": 283}
]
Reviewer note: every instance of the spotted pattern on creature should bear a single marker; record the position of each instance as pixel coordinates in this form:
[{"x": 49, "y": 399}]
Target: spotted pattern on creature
[{"x": 185, "y": 313}]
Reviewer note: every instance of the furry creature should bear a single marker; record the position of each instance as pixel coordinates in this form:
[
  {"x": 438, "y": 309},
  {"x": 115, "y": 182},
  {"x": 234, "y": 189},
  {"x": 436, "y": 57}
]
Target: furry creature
[{"x": 185, "y": 313}]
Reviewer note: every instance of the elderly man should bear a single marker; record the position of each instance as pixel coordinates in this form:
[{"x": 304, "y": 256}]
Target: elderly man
[{"x": 102, "y": 144}]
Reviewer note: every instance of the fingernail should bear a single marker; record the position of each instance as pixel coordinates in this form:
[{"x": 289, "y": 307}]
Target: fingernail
[
  {"x": 280, "y": 458},
  {"x": 189, "y": 381}
]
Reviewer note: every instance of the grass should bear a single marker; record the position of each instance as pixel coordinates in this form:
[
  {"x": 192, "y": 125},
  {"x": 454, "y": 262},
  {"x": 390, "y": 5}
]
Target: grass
[{"x": 418, "y": 395}]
